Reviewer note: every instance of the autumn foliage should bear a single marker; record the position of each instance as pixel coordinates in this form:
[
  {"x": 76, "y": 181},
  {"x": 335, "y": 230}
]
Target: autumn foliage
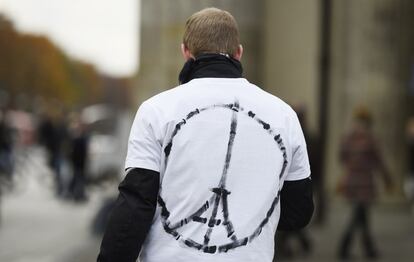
[{"x": 32, "y": 65}]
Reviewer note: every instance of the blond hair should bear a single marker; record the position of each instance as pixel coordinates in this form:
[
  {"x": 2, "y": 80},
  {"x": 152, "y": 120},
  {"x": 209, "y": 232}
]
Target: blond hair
[{"x": 211, "y": 30}]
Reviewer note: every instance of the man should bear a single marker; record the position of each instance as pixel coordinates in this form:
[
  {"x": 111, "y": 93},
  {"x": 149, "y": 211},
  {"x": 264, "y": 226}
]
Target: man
[
  {"x": 213, "y": 165},
  {"x": 78, "y": 157}
]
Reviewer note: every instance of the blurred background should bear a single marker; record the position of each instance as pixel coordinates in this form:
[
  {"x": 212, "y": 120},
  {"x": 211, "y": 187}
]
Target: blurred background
[{"x": 73, "y": 73}]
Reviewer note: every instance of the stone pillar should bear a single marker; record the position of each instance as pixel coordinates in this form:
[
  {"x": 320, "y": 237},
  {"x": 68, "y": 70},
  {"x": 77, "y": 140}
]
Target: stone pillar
[
  {"x": 370, "y": 47},
  {"x": 290, "y": 53}
]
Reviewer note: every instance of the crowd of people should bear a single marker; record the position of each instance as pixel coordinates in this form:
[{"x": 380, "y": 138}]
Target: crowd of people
[{"x": 64, "y": 140}]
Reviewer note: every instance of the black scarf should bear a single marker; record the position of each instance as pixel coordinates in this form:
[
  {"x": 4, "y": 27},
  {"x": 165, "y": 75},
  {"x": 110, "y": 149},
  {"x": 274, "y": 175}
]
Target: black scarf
[{"x": 210, "y": 65}]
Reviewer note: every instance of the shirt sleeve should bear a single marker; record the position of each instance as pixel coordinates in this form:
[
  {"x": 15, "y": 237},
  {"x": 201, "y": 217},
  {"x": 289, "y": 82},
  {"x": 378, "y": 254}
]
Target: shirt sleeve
[
  {"x": 144, "y": 149},
  {"x": 299, "y": 167},
  {"x": 131, "y": 217}
]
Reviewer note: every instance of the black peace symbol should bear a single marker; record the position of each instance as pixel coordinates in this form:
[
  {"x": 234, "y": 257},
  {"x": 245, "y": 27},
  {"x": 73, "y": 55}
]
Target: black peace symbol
[{"x": 220, "y": 192}]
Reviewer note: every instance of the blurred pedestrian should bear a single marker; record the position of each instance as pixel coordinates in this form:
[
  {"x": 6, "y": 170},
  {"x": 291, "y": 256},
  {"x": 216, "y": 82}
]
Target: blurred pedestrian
[
  {"x": 53, "y": 134},
  {"x": 6, "y": 153},
  {"x": 6, "y": 147},
  {"x": 78, "y": 157},
  {"x": 409, "y": 181},
  {"x": 361, "y": 158},
  {"x": 225, "y": 161}
]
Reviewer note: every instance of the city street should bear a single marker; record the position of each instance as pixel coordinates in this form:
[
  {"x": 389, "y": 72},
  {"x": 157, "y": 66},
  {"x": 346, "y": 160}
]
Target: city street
[
  {"x": 38, "y": 227},
  {"x": 227, "y": 101},
  {"x": 392, "y": 228}
]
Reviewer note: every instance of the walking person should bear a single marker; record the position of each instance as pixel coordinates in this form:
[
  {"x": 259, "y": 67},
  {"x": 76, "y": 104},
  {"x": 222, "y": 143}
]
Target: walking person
[
  {"x": 78, "y": 158},
  {"x": 53, "y": 135},
  {"x": 6, "y": 153},
  {"x": 362, "y": 160},
  {"x": 214, "y": 166},
  {"x": 6, "y": 147},
  {"x": 409, "y": 180}
]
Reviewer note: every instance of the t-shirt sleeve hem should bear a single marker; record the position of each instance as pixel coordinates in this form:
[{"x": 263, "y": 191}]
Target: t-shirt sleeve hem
[
  {"x": 141, "y": 164},
  {"x": 299, "y": 176}
]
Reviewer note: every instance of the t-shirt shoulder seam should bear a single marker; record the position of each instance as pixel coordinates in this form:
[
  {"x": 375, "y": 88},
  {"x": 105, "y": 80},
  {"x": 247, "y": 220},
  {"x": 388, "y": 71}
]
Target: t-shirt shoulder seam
[
  {"x": 155, "y": 98},
  {"x": 286, "y": 107}
]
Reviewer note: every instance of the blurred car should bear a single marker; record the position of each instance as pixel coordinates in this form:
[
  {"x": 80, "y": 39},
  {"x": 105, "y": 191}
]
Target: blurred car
[{"x": 108, "y": 133}]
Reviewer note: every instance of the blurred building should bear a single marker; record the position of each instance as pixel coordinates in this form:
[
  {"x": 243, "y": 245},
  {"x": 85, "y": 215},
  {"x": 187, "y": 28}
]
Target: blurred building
[
  {"x": 369, "y": 45},
  {"x": 162, "y": 27},
  {"x": 372, "y": 58}
]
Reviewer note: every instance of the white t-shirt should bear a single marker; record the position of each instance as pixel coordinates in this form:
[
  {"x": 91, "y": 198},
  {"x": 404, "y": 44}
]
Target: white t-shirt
[{"x": 223, "y": 148}]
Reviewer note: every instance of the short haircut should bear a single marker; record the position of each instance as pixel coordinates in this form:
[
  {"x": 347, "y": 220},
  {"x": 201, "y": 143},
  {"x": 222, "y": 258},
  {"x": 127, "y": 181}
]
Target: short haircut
[
  {"x": 211, "y": 30},
  {"x": 362, "y": 114}
]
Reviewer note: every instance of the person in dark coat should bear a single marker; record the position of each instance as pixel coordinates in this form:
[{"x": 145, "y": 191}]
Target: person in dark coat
[
  {"x": 78, "y": 157},
  {"x": 409, "y": 181},
  {"x": 53, "y": 135},
  {"x": 6, "y": 147},
  {"x": 6, "y": 153}
]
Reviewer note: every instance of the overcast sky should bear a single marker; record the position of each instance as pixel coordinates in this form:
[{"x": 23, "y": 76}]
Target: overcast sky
[{"x": 102, "y": 32}]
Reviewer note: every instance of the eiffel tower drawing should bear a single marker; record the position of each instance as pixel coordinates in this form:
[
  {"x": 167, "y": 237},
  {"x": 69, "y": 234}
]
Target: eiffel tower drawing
[{"x": 219, "y": 194}]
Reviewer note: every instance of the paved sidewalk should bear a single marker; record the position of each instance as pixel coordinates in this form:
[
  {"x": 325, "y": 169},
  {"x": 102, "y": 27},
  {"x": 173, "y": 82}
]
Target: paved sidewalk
[
  {"x": 37, "y": 227},
  {"x": 392, "y": 229}
]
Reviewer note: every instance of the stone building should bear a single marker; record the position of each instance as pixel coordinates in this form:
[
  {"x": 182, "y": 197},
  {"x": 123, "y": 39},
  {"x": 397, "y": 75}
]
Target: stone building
[
  {"x": 370, "y": 52},
  {"x": 162, "y": 27}
]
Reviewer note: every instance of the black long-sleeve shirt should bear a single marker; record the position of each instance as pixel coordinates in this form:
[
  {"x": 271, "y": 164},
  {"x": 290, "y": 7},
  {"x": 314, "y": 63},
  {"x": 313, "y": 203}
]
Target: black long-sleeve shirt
[{"x": 132, "y": 216}]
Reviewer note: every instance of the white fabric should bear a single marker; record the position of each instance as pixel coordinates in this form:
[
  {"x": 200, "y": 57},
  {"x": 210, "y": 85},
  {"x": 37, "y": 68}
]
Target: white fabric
[{"x": 196, "y": 161}]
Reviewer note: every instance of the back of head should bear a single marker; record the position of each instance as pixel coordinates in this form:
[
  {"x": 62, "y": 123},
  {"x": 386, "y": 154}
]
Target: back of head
[
  {"x": 211, "y": 30},
  {"x": 362, "y": 115}
]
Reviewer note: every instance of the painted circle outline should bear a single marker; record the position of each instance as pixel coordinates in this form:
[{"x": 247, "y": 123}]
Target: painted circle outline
[{"x": 238, "y": 242}]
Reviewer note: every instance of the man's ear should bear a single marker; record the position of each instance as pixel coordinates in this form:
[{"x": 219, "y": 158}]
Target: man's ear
[
  {"x": 239, "y": 53},
  {"x": 186, "y": 52}
]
